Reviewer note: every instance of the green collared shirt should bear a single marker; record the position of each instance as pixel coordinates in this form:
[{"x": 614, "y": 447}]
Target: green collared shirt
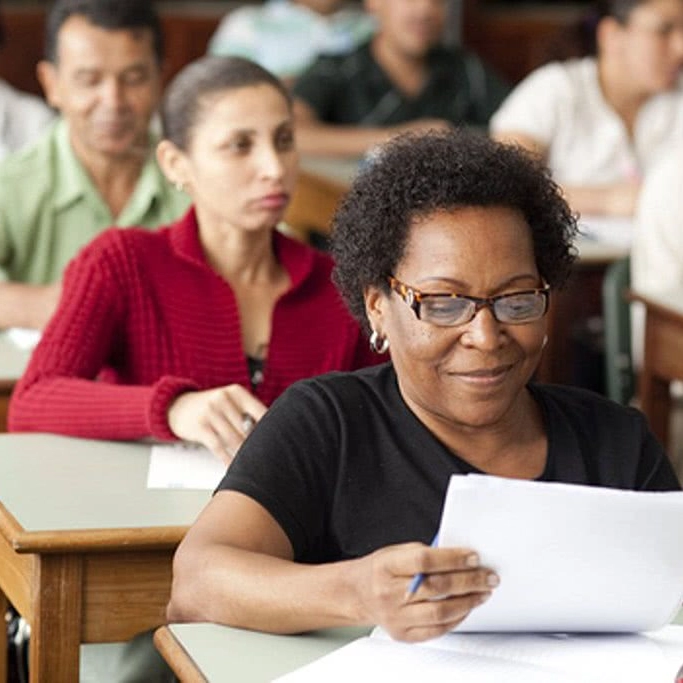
[{"x": 49, "y": 207}]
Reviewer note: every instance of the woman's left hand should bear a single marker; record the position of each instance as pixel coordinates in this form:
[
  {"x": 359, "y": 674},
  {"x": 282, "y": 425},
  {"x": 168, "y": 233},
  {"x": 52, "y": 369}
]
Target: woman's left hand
[{"x": 219, "y": 419}]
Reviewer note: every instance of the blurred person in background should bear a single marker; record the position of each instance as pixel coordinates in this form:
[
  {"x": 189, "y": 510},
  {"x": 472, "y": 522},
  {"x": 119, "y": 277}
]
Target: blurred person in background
[
  {"x": 402, "y": 79},
  {"x": 95, "y": 167},
  {"x": 23, "y": 117},
  {"x": 600, "y": 122},
  {"x": 285, "y": 36}
]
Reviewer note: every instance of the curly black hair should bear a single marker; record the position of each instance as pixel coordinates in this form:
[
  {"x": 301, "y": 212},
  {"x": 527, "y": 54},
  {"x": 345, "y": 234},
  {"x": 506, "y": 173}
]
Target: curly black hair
[{"x": 415, "y": 175}]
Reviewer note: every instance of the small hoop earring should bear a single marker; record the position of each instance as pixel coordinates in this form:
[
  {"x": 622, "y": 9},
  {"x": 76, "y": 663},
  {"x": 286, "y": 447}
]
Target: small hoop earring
[
  {"x": 180, "y": 186},
  {"x": 378, "y": 344},
  {"x": 545, "y": 341}
]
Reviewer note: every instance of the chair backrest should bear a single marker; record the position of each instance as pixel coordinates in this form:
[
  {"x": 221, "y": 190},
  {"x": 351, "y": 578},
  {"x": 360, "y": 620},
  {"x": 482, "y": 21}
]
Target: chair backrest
[{"x": 619, "y": 376}]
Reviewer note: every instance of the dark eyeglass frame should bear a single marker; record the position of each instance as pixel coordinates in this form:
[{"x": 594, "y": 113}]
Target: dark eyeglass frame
[{"x": 414, "y": 298}]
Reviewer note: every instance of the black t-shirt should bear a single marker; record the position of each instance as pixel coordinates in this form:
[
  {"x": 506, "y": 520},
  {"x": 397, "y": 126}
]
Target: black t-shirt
[
  {"x": 345, "y": 467},
  {"x": 354, "y": 89}
]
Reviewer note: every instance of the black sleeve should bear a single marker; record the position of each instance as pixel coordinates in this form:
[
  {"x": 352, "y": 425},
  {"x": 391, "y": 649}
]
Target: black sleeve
[
  {"x": 287, "y": 464},
  {"x": 319, "y": 86},
  {"x": 487, "y": 88}
]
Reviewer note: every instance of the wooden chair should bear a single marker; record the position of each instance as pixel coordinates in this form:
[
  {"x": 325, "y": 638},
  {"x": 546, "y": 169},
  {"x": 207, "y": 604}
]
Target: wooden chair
[
  {"x": 620, "y": 381},
  {"x": 313, "y": 204}
]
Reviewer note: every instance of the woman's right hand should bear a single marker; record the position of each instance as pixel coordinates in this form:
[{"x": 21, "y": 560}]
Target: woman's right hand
[
  {"x": 454, "y": 584},
  {"x": 219, "y": 419}
]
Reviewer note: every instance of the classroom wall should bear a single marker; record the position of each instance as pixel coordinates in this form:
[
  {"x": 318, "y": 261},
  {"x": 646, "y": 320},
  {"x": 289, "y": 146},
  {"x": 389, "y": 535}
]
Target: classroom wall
[{"x": 187, "y": 28}]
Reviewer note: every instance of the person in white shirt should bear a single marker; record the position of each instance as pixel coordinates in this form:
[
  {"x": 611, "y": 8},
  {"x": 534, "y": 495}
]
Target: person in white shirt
[
  {"x": 23, "y": 118},
  {"x": 601, "y": 122},
  {"x": 657, "y": 251},
  {"x": 285, "y": 36}
]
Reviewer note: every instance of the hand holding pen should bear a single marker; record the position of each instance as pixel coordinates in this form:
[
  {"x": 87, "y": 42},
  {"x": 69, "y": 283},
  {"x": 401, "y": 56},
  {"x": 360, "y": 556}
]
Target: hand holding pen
[
  {"x": 417, "y": 592},
  {"x": 471, "y": 560}
]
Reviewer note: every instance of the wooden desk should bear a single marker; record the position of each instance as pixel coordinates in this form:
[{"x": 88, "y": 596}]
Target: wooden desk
[
  {"x": 663, "y": 357},
  {"x": 85, "y": 547},
  {"x": 207, "y": 652},
  {"x": 322, "y": 182},
  {"x": 13, "y": 362}
]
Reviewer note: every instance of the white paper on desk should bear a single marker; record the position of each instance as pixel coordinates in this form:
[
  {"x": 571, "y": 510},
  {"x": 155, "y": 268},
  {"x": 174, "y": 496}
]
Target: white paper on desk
[
  {"x": 569, "y": 557},
  {"x": 184, "y": 466},
  {"x": 512, "y": 657},
  {"x": 613, "y": 230},
  {"x": 24, "y": 338}
]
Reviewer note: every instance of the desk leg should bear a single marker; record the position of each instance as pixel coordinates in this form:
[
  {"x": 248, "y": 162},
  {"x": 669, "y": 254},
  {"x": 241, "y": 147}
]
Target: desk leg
[
  {"x": 56, "y": 628},
  {"x": 655, "y": 402},
  {"x": 3, "y": 644}
]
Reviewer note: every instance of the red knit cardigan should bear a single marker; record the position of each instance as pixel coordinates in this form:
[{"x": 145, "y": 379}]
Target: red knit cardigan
[{"x": 143, "y": 318}]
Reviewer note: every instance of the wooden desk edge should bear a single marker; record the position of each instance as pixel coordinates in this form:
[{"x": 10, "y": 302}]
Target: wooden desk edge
[
  {"x": 176, "y": 656},
  {"x": 101, "y": 540}
]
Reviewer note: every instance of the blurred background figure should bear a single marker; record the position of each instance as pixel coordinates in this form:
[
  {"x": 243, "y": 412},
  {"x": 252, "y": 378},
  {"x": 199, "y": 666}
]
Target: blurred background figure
[
  {"x": 600, "y": 122},
  {"x": 285, "y": 36},
  {"x": 657, "y": 253},
  {"x": 185, "y": 332},
  {"x": 23, "y": 117},
  {"x": 95, "y": 167},
  {"x": 402, "y": 79}
]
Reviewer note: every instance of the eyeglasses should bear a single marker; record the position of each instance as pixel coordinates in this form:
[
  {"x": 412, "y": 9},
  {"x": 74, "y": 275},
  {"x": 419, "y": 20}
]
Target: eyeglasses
[{"x": 448, "y": 309}]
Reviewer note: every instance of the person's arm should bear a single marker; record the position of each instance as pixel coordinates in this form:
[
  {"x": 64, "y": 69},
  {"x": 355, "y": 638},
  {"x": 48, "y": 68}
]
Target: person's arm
[
  {"x": 315, "y": 137},
  {"x": 614, "y": 199},
  {"x": 220, "y": 418},
  {"x": 60, "y": 391},
  {"x": 235, "y": 566},
  {"x": 25, "y": 305},
  {"x": 256, "y": 556}
]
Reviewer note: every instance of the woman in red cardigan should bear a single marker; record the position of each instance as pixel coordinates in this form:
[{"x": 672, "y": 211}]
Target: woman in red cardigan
[{"x": 191, "y": 331}]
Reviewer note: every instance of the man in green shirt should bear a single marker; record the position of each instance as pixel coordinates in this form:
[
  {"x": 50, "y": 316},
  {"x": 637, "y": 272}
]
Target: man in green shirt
[{"x": 95, "y": 168}]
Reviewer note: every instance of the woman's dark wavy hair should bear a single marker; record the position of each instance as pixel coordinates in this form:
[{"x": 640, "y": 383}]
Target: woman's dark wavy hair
[{"x": 414, "y": 176}]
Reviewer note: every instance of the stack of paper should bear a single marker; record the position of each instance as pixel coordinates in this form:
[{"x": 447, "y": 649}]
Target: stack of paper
[
  {"x": 569, "y": 558},
  {"x": 582, "y": 569},
  {"x": 513, "y": 658}
]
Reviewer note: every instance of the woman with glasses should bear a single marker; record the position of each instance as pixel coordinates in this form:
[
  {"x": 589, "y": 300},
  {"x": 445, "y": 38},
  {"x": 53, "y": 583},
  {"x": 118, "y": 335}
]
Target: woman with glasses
[
  {"x": 448, "y": 247},
  {"x": 191, "y": 331},
  {"x": 601, "y": 121}
]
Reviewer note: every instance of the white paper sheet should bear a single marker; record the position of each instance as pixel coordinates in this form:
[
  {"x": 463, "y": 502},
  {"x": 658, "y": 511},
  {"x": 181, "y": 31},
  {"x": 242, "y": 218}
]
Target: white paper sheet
[
  {"x": 24, "y": 338},
  {"x": 184, "y": 466},
  {"x": 607, "y": 230},
  {"x": 513, "y": 658},
  {"x": 570, "y": 558}
]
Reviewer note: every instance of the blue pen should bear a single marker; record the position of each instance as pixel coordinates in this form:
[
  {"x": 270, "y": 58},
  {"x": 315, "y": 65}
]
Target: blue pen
[{"x": 417, "y": 580}]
